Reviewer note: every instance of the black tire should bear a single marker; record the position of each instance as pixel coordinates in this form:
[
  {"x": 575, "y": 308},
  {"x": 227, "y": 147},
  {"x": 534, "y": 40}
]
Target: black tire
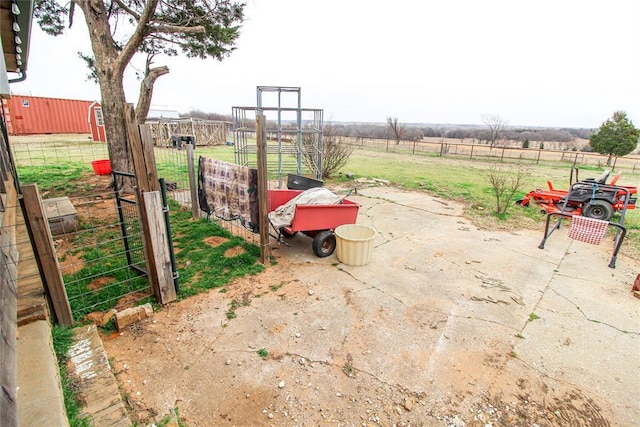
[
  {"x": 324, "y": 244},
  {"x": 519, "y": 202},
  {"x": 598, "y": 209},
  {"x": 287, "y": 234}
]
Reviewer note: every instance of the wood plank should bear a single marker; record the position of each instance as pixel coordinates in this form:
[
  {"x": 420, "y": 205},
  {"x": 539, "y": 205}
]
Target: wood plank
[
  {"x": 195, "y": 204},
  {"x": 263, "y": 201},
  {"x": 144, "y": 162},
  {"x": 89, "y": 362},
  {"x": 46, "y": 253},
  {"x": 32, "y": 304},
  {"x": 149, "y": 260},
  {"x": 159, "y": 242},
  {"x": 8, "y": 367}
]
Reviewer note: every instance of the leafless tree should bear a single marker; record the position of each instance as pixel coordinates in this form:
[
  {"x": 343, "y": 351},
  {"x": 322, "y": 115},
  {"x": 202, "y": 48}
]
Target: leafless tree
[
  {"x": 335, "y": 150},
  {"x": 397, "y": 130},
  {"x": 496, "y": 126},
  {"x": 505, "y": 183}
]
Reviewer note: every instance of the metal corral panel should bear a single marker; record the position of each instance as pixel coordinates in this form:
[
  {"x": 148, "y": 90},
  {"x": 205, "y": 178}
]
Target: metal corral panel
[{"x": 35, "y": 115}]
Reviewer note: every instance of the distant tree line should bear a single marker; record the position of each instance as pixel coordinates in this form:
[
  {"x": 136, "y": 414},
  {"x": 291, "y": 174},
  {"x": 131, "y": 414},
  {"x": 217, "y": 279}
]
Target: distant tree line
[
  {"x": 479, "y": 133},
  {"x": 563, "y": 138},
  {"x": 199, "y": 114}
]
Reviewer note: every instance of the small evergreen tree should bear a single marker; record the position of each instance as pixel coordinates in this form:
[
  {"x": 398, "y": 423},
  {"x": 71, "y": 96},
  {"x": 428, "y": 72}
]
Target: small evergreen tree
[
  {"x": 525, "y": 144},
  {"x": 616, "y": 137}
]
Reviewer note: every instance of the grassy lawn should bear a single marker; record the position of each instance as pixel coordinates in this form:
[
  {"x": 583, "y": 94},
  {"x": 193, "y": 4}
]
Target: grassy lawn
[{"x": 468, "y": 181}]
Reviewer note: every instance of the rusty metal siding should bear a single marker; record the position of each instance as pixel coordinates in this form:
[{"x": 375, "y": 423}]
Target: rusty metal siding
[{"x": 35, "y": 115}]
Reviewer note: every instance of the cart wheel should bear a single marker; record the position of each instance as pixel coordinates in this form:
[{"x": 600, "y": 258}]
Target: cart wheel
[
  {"x": 287, "y": 234},
  {"x": 598, "y": 209},
  {"x": 324, "y": 244},
  {"x": 519, "y": 202}
]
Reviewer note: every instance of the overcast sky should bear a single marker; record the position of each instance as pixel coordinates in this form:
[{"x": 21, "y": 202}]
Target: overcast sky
[{"x": 560, "y": 63}]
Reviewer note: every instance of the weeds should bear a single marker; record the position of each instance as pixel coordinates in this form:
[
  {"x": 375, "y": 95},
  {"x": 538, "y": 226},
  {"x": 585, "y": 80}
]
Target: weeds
[
  {"x": 348, "y": 369},
  {"x": 263, "y": 353},
  {"x": 533, "y": 317}
]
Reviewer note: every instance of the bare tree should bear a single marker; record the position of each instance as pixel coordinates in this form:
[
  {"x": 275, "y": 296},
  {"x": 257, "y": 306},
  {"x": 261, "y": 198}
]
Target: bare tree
[
  {"x": 397, "y": 130},
  {"x": 505, "y": 183},
  {"x": 496, "y": 126},
  {"x": 335, "y": 150}
]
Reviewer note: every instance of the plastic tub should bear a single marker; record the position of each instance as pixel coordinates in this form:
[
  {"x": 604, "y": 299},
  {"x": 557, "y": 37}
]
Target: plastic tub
[
  {"x": 299, "y": 182},
  {"x": 101, "y": 167},
  {"x": 354, "y": 243}
]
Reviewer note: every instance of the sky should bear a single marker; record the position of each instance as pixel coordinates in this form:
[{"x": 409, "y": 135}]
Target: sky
[{"x": 567, "y": 63}]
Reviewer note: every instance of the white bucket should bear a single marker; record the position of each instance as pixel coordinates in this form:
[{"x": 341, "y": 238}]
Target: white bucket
[{"x": 354, "y": 243}]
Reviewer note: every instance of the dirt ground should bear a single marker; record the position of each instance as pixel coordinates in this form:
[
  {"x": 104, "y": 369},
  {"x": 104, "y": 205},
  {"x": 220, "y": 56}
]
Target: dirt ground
[{"x": 448, "y": 325}]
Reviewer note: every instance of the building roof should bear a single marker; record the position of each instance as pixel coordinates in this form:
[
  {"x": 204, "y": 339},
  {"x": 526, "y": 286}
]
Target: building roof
[{"x": 16, "y": 18}]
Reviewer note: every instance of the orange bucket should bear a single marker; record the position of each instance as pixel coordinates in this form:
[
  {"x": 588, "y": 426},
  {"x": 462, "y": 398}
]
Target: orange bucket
[{"x": 101, "y": 167}]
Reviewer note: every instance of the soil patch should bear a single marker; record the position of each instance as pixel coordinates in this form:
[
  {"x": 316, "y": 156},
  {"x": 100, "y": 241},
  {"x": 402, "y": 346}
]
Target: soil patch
[
  {"x": 100, "y": 282},
  {"x": 234, "y": 251},
  {"x": 215, "y": 241},
  {"x": 130, "y": 300}
]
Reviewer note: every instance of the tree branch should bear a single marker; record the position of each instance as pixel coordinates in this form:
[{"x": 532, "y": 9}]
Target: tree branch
[
  {"x": 146, "y": 90},
  {"x": 170, "y": 29},
  {"x": 142, "y": 30},
  {"x": 127, "y": 9}
]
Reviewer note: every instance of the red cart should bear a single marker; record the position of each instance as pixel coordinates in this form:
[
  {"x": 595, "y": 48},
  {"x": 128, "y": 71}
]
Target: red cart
[{"x": 316, "y": 221}]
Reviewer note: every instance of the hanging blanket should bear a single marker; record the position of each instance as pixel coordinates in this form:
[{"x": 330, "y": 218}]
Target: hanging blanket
[
  {"x": 225, "y": 189},
  {"x": 588, "y": 230},
  {"x": 282, "y": 216}
]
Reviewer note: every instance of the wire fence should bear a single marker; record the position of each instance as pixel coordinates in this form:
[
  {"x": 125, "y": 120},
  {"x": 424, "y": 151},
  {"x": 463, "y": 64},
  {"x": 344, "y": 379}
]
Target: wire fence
[
  {"x": 173, "y": 166},
  {"x": 101, "y": 267},
  {"x": 98, "y": 243},
  {"x": 446, "y": 147}
]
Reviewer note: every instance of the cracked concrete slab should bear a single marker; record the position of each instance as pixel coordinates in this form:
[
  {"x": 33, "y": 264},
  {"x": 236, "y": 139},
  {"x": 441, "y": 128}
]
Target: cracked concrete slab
[{"x": 448, "y": 324}]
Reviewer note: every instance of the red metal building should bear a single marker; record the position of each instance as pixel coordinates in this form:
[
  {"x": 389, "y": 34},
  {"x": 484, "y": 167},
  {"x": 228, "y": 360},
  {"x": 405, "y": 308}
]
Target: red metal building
[
  {"x": 96, "y": 122},
  {"x": 27, "y": 115}
]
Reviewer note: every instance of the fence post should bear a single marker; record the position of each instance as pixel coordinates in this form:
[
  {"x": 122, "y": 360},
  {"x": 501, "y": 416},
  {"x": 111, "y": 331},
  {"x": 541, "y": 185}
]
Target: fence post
[
  {"x": 157, "y": 246},
  {"x": 144, "y": 161},
  {"x": 263, "y": 202},
  {"x": 195, "y": 207},
  {"x": 471, "y": 155},
  {"x": 538, "y": 159},
  {"x": 45, "y": 253},
  {"x": 502, "y": 155}
]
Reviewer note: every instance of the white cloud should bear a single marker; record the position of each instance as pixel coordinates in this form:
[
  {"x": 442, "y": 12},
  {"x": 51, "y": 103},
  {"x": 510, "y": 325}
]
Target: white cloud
[{"x": 546, "y": 63}]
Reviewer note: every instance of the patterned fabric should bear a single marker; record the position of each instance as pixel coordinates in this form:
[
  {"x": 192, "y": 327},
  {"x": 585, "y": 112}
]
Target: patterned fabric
[
  {"x": 588, "y": 230},
  {"x": 224, "y": 189}
]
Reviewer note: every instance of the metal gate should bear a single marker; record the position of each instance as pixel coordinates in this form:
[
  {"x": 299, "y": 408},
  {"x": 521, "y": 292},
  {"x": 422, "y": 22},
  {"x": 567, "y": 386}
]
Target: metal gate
[{"x": 129, "y": 214}]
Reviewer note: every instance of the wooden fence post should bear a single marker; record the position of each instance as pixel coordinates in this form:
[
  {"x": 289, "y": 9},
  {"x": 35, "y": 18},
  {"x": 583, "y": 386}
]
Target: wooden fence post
[
  {"x": 144, "y": 161},
  {"x": 263, "y": 201},
  {"x": 46, "y": 254},
  {"x": 157, "y": 246},
  {"x": 195, "y": 204},
  {"x": 154, "y": 231}
]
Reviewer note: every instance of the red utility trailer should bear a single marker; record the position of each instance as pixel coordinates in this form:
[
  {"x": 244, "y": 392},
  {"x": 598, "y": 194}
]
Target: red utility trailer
[{"x": 316, "y": 221}]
